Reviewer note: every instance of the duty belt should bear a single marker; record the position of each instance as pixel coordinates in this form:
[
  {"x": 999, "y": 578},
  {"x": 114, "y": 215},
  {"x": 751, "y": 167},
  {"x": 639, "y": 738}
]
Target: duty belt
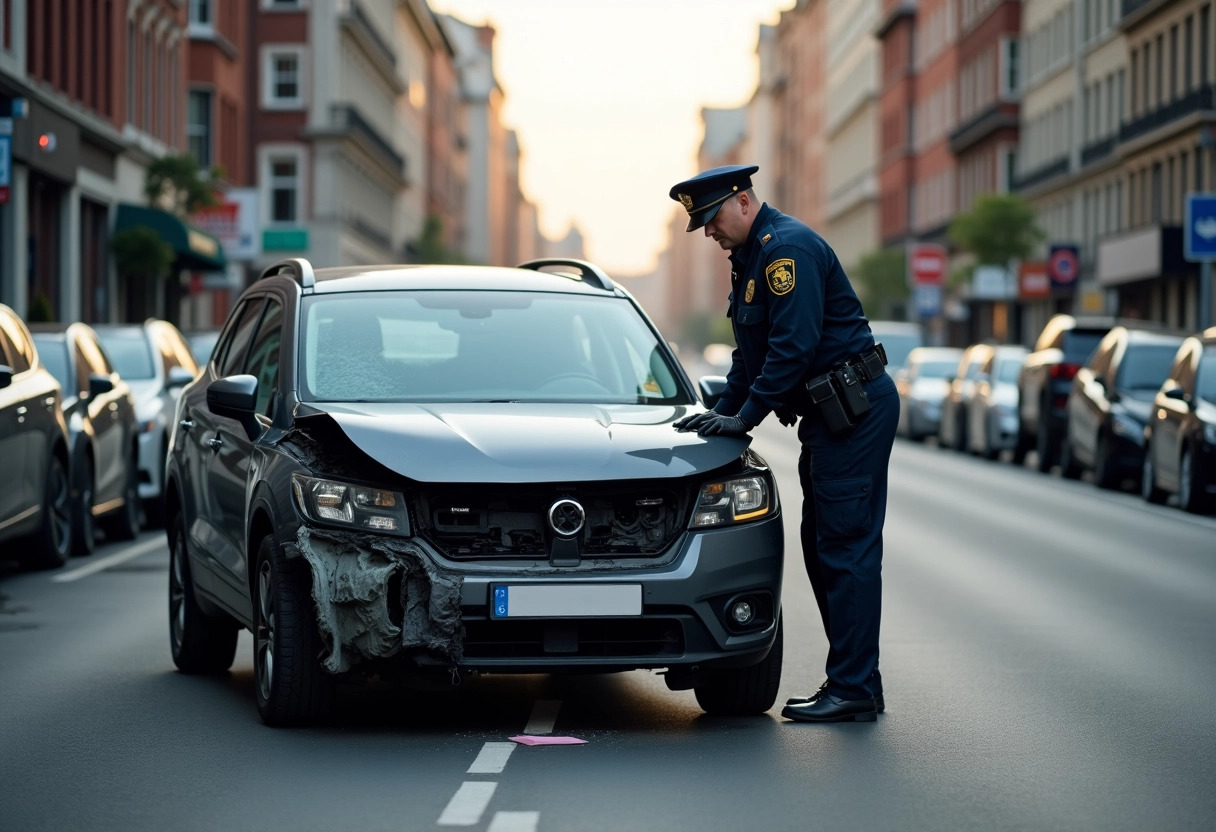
[{"x": 869, "y": 364}]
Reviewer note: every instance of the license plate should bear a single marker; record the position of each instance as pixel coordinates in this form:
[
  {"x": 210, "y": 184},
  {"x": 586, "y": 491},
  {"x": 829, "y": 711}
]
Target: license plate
[{"x": 565, "y": 600}]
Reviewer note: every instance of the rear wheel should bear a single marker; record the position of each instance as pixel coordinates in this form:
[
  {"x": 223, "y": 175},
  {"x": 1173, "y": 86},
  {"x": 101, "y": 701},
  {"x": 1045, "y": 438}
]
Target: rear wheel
[
  {"x": 52, "y": 543},
  {"x": 83, "y": 527},
  {"x": 1190, "y": 490},
  {"x": 1148, "y": 480},
  {"x": 1070, "y": 469},
  {"x": 1045, "y": 444},
  {"x": 744, "y": 691},
  {"x": 200, "y": 644},
  {"x": 292, "y": 687}
]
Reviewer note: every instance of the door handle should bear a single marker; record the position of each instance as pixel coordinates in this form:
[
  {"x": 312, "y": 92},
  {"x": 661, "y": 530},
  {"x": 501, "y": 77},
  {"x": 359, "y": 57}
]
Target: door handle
[
  {"x": 21, "y": 411},
  {"x": 186, "y": 424},
  {"x": 49, "y": 401},
  {"x": 215, "y": 442}
]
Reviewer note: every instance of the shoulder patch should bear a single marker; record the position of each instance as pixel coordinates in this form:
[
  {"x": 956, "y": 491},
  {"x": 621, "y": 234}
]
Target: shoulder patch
[{"x": 780, "y": 274}]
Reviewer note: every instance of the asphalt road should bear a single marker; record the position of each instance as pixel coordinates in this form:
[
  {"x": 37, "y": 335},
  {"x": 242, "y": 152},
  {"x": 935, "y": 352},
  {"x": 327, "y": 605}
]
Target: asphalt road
[{"x": 1048, "y": 655}]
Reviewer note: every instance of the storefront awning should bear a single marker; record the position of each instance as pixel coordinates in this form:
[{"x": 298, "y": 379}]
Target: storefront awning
[{"x": 195, "y": 250}]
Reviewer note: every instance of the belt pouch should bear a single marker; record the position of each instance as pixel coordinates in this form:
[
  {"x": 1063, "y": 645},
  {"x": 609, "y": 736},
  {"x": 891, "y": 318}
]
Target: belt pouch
[
  {"x": 827, "y": 402},
  {"x": 856, "y": 402}
]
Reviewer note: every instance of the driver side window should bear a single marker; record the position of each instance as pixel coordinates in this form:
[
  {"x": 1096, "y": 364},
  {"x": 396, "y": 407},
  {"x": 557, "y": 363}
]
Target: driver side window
[{"x": 263, "y": 363}]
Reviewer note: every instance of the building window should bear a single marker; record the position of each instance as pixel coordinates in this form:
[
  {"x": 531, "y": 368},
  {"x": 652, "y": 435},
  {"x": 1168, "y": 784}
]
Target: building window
[
  {"x": 284, "y": 189},
  {"x": 1173, "y": 62},
  {"x": 1184, "y": 183},
  {"x": 1009, "y": 67},
  {"x": 284, "y": 78},
  {"x": 1160, "y": 100},
  {"x": 200, "y": 12},
  {"x": 199, "y": 127},
  {"x": 1188, "y": 49},
  {"x": 1156, "y": 205},
  {"x": 282, "y": 4},
  {"x": 1135, "y": 61},
  {"x": 1199, "y": 183},
  {"x": 1205, "y": 15}
]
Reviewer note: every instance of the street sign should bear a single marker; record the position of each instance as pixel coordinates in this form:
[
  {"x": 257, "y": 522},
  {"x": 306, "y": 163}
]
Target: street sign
[
  {"x": 6, "y": 161},
  {"x": 927, "y": 300},
  {"x": 1063, "y": 265},
  {"x": 1033, "y": 281},
  {"x": 926, "y": 264},
  {"x": 1200, "y": 236}
]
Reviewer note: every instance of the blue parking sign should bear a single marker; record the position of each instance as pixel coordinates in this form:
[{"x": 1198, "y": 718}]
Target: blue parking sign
[{"x": 1200, "y": 236}]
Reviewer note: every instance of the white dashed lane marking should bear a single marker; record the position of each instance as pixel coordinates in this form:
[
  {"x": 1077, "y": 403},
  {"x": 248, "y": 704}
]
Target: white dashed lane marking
[
  {"x": 129, "y": 553},
  {"x": 493, "y": 758},
  {"x": 514, "y": 822},
  {"x": 468, "y": 804},
  {"x": 544, "y": 716}
]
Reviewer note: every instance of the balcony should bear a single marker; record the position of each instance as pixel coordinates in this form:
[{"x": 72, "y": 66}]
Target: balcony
[
  {"x": 368, "y": 30},
  {"x": 995, "y": 117},
  {"x": 346, "y": 118},
  {"x": 1096, "y": 151},
  {"x": 1195, "y": 101},
  {"x": 1042, "y": 174}
]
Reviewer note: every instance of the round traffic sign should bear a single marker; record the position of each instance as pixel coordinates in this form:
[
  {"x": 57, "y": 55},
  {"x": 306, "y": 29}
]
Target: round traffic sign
[{"x": 1062, "y": 265}]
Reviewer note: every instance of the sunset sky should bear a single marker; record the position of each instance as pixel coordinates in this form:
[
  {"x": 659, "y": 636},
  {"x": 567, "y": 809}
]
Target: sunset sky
[{"x": 606, "y": 98}]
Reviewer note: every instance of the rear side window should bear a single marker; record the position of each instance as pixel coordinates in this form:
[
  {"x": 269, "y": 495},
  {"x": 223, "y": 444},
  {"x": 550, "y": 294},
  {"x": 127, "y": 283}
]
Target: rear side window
[
  {"x": 54, "y": 356},
  {"x": 1145, "y": 366},
  {"x": 1079, "y": 343},
  {"x": 233, "y": 360}
]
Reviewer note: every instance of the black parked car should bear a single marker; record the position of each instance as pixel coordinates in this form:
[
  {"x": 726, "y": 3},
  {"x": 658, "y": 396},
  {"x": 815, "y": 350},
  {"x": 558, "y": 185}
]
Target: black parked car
[
  {"x": 1110, "y": 403},
  {"x": 393, "y": 469},
  {"x": 35, "y": 504},
  {"x": 1045, "y": 381},
  {"x": 102, "y": 433},
  {"x": 1181, "y": 437}
]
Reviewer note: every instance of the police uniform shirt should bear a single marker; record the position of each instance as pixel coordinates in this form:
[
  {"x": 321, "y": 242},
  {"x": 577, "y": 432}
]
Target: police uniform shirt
[{"x": 794, "y": 313}]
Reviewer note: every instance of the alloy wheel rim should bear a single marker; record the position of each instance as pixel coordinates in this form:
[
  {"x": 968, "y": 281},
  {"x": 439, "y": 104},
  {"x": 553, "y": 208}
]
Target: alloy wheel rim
[
  {"x": 86, "y": 509},
  {"x": 1184, "y": 481},
  {"x": 177, "y": 594},
  {"x": 265, "y": 634},
  {"x": 1146, "y": 477},
  {"x": 61, "y": 511}
]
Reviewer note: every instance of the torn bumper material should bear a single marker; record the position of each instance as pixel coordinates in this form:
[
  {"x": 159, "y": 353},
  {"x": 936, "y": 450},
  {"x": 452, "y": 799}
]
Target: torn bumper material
[{"x": 360, "y": 613}]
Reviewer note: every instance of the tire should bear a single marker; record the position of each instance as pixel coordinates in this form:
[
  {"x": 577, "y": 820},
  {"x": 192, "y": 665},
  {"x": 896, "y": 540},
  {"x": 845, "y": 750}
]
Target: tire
[
  {"x": 1045, "y": 444},
  {"x": 154, "y": 507},
  {"x": 990, "y": 451},
  {"x": 200, "y": 644},
  {"x": 1070, "y": 469},
  {"x": 745, "y": 691},
  {"x": 1106, "y": 474},
  {"x": 1191, "y": 496},
  {"x": 291, "y": 686},
  {"x": 1020, "y": 448},
  {"x": 1148, "y": 481},
  {"x": 83, "y": 526},
  {"x": 124, "y": 524},
  {"x": 51, "y": 545}
]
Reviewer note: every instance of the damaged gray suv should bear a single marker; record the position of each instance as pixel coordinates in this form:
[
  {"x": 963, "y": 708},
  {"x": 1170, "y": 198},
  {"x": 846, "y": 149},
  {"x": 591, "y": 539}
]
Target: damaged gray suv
[{"x": 399, "y": 470}]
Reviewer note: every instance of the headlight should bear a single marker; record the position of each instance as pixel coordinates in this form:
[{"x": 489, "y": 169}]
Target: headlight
[
  {"x": 1209, "y": 434},
  {"x": 353, "y": 506},
  {"x": 732, "y": 501},
  {"x": 1124, "y": 425}
]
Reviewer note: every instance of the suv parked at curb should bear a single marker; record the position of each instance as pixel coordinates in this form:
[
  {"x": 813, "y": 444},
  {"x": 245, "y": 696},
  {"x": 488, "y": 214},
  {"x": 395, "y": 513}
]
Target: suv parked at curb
[{"x": 390, "y": 470}]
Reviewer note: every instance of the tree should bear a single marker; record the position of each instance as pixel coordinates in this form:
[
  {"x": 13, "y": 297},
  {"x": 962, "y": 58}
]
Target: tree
[
  {"x": 175, "y": 184},
  {"x": 430, "y": 247},
  {"x": 881, "y": 281},
  {"x": 999, "y": 228}
]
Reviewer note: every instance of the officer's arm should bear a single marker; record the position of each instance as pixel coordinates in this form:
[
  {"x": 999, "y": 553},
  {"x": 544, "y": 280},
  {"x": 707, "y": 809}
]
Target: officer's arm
[{"x": 795, "y": 283}]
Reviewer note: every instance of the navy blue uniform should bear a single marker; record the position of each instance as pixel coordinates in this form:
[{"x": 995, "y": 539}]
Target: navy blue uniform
[{"x": 796, "y": 316}]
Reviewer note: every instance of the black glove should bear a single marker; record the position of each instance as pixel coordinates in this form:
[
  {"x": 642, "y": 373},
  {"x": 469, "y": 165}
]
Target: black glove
[
  {"x": 787, "y": 415},
  {"x": 694, "y": 421},
  {"x": 721, "y": 425}
]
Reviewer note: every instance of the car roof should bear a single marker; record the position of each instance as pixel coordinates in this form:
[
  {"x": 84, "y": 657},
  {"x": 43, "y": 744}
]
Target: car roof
[
  {"x": 1138, "y": 335},
  {"x": 461, "y": 278}
]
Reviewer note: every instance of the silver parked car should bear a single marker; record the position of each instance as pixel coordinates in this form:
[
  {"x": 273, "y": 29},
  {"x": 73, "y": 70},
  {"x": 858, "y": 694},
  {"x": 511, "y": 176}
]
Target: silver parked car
[
  {"x": 154, "y": 358},
  {"x": 992, "y": 413},
  {"x": 923, "y": 383}
]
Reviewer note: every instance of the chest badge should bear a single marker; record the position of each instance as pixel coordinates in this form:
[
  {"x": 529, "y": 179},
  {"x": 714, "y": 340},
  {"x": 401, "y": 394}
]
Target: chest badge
[
  {"x": 750, "y": 291},
  {"x": 780, "y": 274}
]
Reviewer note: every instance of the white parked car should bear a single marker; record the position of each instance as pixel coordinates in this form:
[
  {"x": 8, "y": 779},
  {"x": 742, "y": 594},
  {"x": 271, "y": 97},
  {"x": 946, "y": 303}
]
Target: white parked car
[
  {"x": 923, "y": 383},
  {"x": 992, "y": 413}
]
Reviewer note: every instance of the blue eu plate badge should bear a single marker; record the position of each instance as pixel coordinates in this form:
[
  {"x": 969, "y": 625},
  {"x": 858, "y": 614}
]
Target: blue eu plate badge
[{"x": 500, "y": 602}]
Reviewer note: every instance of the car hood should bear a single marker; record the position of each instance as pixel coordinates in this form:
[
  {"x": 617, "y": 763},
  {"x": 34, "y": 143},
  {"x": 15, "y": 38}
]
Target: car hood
[{"x": 527, "y": 442}]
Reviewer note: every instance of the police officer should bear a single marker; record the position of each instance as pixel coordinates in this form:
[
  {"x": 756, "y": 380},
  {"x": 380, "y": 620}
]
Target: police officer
[{"x": 796, "y": 321}]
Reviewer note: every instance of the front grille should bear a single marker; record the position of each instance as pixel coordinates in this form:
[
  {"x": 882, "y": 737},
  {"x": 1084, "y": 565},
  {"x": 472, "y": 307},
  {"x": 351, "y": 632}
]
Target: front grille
[
  {"x": 577, "y": 638},
  {"x": 623, "y": 519}
]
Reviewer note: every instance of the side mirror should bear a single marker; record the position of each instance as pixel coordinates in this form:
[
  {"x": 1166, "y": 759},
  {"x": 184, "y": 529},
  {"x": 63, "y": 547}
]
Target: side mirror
[
  {"x": 6, "y": 376},
  {"x": 178, "y": 377},
  {"x": 1175, "y": 393},
  {"x": 99, "y": 385},
  {"x": 235, "y": 398},
  {"x": 711, "y": 389}
]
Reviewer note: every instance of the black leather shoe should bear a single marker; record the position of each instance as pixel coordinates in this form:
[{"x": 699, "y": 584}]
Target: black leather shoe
[
  {"x": 828, "y": 708},
  {"x": 879, "y": 704}
]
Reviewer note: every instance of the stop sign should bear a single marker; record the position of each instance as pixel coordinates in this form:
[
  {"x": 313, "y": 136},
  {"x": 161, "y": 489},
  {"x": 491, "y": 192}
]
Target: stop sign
[{"x": 927, "y": 264}]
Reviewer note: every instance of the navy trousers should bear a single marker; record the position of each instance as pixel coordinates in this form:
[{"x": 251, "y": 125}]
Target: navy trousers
[{"x": 844, "y": 505}]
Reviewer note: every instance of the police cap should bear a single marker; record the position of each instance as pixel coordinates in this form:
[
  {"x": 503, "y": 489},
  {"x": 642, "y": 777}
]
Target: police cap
[{"x": 704, "y": 194}]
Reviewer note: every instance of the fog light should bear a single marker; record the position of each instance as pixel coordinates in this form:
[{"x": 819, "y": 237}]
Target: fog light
[{"x": 742, "y": 612}]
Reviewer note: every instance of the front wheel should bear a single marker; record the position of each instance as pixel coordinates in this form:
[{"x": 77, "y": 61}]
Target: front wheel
[
  {"x": 1070, "y": 469},
  {"x": 200, "y": 644},
  {"x": 744, "y": 691},
  {"x": 82, "y": 510},
  {"x": 52, "y": 543},
  {"x": 292, "y": 687},
  {"x": 1106, "y": 473},
  {"x": 1148, "y": 481},
  {"x": 1045, "y": 445}
]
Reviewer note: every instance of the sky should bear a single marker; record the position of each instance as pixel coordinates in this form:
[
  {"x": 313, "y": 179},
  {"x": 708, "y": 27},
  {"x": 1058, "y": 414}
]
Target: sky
[{"x": 606, "y": 98}]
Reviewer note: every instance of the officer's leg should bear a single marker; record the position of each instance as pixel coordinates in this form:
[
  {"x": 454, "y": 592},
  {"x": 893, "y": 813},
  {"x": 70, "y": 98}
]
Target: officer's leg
[
  {"x": 810, "y": 529},
  {"x": 850, "y": 496}
]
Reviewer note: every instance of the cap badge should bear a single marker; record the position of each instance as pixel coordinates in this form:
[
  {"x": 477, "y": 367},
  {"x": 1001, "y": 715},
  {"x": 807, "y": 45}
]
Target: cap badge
[{"x": 686, "y": 201}]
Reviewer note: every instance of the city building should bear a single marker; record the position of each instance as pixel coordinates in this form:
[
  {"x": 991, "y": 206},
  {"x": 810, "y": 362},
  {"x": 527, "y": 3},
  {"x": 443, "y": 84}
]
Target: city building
[
  {"x": 800, "y": 142},
  {"x": 896, "y": 33}
]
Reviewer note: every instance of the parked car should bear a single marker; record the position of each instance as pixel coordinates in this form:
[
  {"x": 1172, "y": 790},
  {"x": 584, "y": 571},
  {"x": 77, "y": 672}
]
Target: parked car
[
  {"x": 1045, "y": 381},
  {"x": 102, "y": 433},
  {"x": 1180, "y": 456},
  {"x": 202, "y": 342},
  {"x": 394, "y": 470},
  {"x": 154, "y": 358},
  {"x": 35, "y": 503},
  {"x": 1111, "y": 401},
  {"x": 923, "y": 383},
  {"x": 898, "y": 339},
  {"x": 992, "y": 413},
  {"x": 952, "y": 431}
]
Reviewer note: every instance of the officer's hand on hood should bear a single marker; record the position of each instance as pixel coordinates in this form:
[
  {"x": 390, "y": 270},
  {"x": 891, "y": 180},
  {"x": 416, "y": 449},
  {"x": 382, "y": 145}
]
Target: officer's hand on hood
[
  {"x": 721, "y": 425},
  {"x": 694, "y": 421}
]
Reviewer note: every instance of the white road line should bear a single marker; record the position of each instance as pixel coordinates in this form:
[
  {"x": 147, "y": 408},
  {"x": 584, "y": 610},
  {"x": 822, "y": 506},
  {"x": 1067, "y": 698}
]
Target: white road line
[
  {"x": 514, "y": 822},
  {"x": 544, "y": 715},
  {"x": 468, "y": 804},
  {"x": 130, "y": 553},
  {"x": 492, "y": 759}
]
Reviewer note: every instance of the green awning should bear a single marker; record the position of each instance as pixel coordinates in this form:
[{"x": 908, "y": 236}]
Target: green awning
[{"x": 196, "y": 250}]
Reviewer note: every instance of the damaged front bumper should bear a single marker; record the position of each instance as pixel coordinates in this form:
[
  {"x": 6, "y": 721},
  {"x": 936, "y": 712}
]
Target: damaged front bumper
[{"x": 392, "y": 598}]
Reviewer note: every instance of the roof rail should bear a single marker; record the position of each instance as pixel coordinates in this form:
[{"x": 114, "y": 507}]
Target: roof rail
[
  {"x": 587, "y": 272},
  {"x": 297, "y": 267}
]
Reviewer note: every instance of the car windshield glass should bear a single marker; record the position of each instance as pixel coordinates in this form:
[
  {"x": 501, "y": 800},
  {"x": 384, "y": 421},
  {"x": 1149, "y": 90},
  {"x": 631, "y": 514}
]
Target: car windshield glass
[
  {"x": 482, "y": 346},
  {"x": 1205, "y": 383},
  {"x": 1008, "y": 370},
  {"x": 129, "y": 353},
  {"x": 1145, "y": 366},
  {"x": 937, "y": 369},
  {"x": 897, "y": 346},
  {"x": 54, "y": 355},
  {"x": 1079, "y": 344}
]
